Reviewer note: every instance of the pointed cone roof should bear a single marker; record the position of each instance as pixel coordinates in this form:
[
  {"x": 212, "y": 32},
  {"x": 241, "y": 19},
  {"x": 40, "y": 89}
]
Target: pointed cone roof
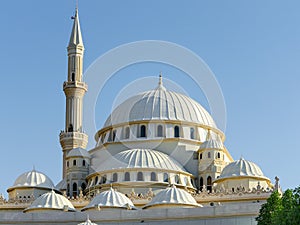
[{"x": 76, "y": 37}]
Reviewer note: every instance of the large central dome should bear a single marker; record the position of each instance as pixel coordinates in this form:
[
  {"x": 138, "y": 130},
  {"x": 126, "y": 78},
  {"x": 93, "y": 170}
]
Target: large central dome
[{"x": 160, "y": 104}]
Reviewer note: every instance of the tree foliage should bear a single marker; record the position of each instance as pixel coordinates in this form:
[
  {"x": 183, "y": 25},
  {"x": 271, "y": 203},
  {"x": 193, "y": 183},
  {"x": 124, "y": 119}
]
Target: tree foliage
[{"x": 279, "y": 210}]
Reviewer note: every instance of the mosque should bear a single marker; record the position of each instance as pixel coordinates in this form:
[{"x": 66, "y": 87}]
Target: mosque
[{"x": 159, "y": 159}]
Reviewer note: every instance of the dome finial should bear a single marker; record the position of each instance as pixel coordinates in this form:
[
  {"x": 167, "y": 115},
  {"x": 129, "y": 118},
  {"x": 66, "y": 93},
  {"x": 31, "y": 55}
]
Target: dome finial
[{"x": 160, "y": 83}]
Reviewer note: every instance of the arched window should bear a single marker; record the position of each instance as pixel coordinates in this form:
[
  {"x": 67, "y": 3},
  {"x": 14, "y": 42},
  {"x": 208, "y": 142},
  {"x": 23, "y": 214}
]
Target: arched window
[
  {"x": 74, "y": 162},
  {"x": 73, "y": 77},
  {"x": 110, "y": 135},
  {"x": 219, "y": 155},
  {"x": 102, "y": 137},
  {"x": 103, "y": 179},
  {"x": 209, "y": 187},
  {"x": 127, "y": 133},
  {"x": 143, "y": 131},
  {"x": 114, "y": 133},
  {"x": 115, "y": 177},
  {"x": 74, "y": 189},
  {"x": 127, "y": 176},
  {"x": 67, "y": 163},
  {"x": 153, "y": 176},
  {"x": 70, "y": 128},
  {"x": 192, "y": 133},
  {"x": 185, "y": 180},
  {"x": 200, "y": 156},
  {"x": 96, "y": 180},
  {"x": 177, "y": 179},
  {"x": 83, "y": 162},
  {"x": 140, "y": 176},
  {"x": 83, "y": 186},
  {"x": 159, "y": 131},
  {"x": 201, "y": 183},
  {"x": 166, "y": 178},
  {"x": 68, "y": 189},
  {"x": 208, "y": 155},
  {"x": 176, "y": 132}
]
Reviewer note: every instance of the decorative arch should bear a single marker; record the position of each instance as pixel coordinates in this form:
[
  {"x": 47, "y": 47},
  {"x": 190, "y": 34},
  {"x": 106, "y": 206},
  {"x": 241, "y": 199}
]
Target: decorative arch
[
  {"x": 115, "y": 177},
  {"x": 143, "y": 131},
  {"x": 176, "y": 131},
  {"x": 153, "y": 176},
  {"x": 140, "y": 176},
  {"x": 74, "y": 189},
  {"x": 127, "y": 176},
  {"x": 159, "y": 132},
  {"x": 209, "y": 184}
]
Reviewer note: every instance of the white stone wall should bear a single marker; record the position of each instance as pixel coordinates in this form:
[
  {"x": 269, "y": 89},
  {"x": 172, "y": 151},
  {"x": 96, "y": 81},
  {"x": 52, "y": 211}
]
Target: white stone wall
[{"x": 237, "y": 214}]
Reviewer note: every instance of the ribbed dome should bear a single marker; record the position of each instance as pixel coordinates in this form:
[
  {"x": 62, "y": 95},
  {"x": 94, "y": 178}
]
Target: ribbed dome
[
  {"x": 51, "y": 201},
  {"x": 62, "y": 185},
  {"x": 241, "y": 167},
  {"x": 160, "y": 104},
  {"x": 212, "y": 144},
  {"x": 87, "y": 222},
  {"x": 141, "y": 158},
  {"x": 110, "y": 199},
  {"x": 78, "y": 152},
  {"x": 173, "y": 196},
  {"x": 34, "y": 179}
]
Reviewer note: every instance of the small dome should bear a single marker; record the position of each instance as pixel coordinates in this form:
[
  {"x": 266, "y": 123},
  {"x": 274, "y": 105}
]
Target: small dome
[
  {"x": 141, "y": 158},
  {"x": 34, "y": 179},
  {"x": 173, "y": 196},
  {"x": 62, "y": 185},
  {"x": 87, "y": 222},
  {"x": 78, "y": 152},
  {"x": 242, "y": 167},
  {"x": 110, "y": 199},
  {"x": 212, "y": 144},
  {"x": 51, "y": 201},
  {"x": 160, "y": 104}
]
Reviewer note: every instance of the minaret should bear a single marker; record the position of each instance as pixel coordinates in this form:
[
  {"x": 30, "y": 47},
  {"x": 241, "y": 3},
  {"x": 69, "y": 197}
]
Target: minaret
[{"x": 72, "y": 136}]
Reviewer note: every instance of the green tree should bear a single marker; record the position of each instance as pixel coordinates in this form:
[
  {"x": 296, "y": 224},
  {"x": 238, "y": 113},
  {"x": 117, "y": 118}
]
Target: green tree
[
  {"x": 283, "y": 210},
  {"x": 296, "y": 193},
  {"x": 269, "y": 213},
  {"x": 287, "y": 213}
]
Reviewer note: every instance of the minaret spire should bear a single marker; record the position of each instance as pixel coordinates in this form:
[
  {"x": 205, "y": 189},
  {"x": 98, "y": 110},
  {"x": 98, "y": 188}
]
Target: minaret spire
[
  {"x": 74, "y": 88},
  {"x": 76, "y": 37}
]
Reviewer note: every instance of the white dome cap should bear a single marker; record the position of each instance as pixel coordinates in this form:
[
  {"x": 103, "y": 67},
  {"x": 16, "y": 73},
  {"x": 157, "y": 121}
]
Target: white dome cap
[
  {"x": 212, "y": 144},
  {"x": 241, "y": 168},
  {"x": 173, "y": 196},
  {"x": 87, "y": 222},
  {"x": 62, "y": 185},
  {"x": 110, "y": 199},
  {"x": 33, "y": 179},
  {"x": 141, "y": 158},
  {"x": 51, "y": 201},
  {"x": 78, "y": 152},
  {"x": 160, "y": 104}
]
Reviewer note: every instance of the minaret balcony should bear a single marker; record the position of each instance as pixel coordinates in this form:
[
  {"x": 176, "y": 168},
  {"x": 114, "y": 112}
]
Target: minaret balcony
[
  {"x": 70, "y": 140},
  {"x": 75, "y": 84}
]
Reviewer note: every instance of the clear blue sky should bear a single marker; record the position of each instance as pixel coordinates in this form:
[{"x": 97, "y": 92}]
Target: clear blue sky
[{"x": 253, "y": 48}]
